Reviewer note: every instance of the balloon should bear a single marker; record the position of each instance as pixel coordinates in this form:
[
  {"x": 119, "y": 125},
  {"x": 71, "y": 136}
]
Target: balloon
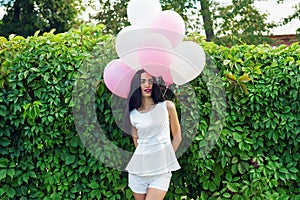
[
  {"x": 117, "y": 77},
  {"x": 125, "y": 39},
  {"x": 127, "y": 43},
  {"x": 167, "y": 77},
  {"x": 170, "y": 24},
  {"x": 188, "y": 62},
  {"x": 155, "y": 54},
  {"x": 141, "y": 12}
]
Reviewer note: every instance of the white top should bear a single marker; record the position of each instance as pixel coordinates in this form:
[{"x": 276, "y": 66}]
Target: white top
[{"x": 154, "y": 153}]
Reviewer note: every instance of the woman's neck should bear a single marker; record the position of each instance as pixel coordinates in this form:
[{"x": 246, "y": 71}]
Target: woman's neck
[{"x": 147, "y": 103}]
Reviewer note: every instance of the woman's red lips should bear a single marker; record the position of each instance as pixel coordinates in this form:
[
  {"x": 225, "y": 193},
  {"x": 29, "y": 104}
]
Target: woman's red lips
[{"x": 147, "y": 90}]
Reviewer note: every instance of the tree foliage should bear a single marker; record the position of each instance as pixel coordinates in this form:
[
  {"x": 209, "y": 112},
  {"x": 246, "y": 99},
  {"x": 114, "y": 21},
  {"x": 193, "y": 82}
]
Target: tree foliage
[
  {"x": 295, "y": 15},
  {"x": 239, "y": 22},
  {"x": 24, "y": 17},
  {"x": 114, "y": 13}
]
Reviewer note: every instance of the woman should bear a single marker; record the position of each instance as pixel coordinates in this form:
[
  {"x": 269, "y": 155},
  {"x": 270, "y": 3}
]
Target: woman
[{"x": 151, "y": 119}]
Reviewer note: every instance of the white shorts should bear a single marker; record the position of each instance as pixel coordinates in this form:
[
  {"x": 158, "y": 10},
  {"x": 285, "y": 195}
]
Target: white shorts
[{"x": 140, "y": 184}]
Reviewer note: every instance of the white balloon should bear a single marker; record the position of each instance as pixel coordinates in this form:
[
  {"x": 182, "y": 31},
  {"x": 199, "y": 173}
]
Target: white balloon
[
  {"x": 188, "y": 62},
  {"x": 127, "y": 45},
  {"x": 141, "y": 12}
]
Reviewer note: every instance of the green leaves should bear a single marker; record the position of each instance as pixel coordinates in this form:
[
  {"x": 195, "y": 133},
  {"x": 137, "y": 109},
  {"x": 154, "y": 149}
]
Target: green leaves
[
  {"x": 42, "y": 156},
  {"x": 233, "y": 187},
  {"x": 3, "y": 173},
  {"x": 262, "y": 119},
  {"x": 31, "y": 111},
  {"x": 28, "y": 20},
  {"x": 237, "y": 87},
  {"x": 70, "y": 159}
]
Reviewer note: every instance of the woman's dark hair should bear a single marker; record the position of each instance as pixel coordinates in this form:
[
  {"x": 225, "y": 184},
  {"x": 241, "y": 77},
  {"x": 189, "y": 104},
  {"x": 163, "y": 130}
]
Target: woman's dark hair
[{"x": 134, "y": 99}]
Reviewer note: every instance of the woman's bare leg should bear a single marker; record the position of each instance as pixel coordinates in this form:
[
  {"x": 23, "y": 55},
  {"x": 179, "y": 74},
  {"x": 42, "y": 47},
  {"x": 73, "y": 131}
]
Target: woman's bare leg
[
  {"x": 139, "y": 196},
  {"x": 155, "y": 194}
]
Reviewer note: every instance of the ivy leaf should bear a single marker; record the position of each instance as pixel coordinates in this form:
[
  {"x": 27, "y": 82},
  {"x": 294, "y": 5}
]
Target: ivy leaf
[
  {"x": 244, "y": 79},
  {"x": 2, "y": 110},
  {"x": 3, "y": 173},
  {"x": 70, "y": 159},
  {"x": 11, "y": 192},
  {"x": 257, "y": 70},
  {"x": 237, "y": 136},
  {"x": 94, "y": 185},
  {"x": 226, "y": 62},
  {"x": 4, "y": 142},
  {"x": 231, "y": 78},
  {"x": 244, "y": 87},
  {"x": 286, "y": 109},
  {"x": 232, "y": 187},
  {"x": 283, "y": 170},
  {"x": 293, "y": 169},
  {"x": 4, "y": 162}
]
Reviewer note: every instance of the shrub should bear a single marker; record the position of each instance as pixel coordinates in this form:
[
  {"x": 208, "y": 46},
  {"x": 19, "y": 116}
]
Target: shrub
[{"x": 45, "y": 79}]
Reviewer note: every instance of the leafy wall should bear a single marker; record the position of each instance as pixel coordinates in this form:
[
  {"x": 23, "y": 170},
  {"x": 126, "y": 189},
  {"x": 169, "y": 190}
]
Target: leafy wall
[{"x": 256, "y": 155}]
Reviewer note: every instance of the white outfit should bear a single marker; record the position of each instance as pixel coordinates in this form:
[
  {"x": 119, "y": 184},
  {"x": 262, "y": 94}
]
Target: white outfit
[
  {"x": 154, "y": 154},
  {"x": 140, "y": 184}
]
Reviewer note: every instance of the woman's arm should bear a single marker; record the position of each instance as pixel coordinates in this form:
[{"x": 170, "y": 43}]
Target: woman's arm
[
  {"x": 174, "y": 124},
  {"x": 134, "y": 135}
]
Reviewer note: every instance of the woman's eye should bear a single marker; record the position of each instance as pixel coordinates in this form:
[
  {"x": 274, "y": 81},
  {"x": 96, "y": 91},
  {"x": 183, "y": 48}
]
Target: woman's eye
[{"x": 150, "y": 81}]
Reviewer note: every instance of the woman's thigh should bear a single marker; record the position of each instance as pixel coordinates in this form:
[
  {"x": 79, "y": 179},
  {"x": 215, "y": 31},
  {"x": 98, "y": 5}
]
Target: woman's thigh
[
  {"x": 139, "y": 196},
  {"x": 155, "y": 194}
]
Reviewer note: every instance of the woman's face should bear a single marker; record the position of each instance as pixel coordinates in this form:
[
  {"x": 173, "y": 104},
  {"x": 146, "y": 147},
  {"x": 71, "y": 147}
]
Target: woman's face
[{"x": 146, "y": 84}]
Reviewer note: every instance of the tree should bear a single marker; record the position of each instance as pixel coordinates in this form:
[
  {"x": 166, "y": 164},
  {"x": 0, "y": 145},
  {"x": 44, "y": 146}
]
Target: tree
[
  {"x": 241, "y": 22},
  {"x": 238, "y": 22},
  {"x": 207, "y": 19},
  {"x": 295, "y": 15},
  {"x": 24, "y": 17},
  {"x": 114, "y": 13}
]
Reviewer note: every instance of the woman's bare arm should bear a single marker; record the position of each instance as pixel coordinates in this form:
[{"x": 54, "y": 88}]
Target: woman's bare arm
[{"x": 174, "y": 124}]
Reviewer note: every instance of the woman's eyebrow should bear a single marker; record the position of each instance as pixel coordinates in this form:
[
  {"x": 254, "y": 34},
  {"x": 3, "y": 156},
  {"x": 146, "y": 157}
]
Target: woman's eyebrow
[{"x": 147, "y": 79}]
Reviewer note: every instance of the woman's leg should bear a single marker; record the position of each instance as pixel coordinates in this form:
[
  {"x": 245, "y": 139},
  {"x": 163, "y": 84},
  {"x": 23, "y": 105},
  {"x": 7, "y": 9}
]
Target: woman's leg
[
  {"x": 155, "y": 194},
  {"x": 139, "y": 196}
]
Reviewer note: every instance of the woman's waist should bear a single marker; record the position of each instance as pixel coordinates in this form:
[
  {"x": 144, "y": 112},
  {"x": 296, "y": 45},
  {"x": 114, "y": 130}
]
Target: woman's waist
[{"x": 153, "y": 141}]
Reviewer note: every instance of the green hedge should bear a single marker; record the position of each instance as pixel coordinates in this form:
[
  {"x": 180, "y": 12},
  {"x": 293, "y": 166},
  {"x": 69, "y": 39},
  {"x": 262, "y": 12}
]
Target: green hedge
[{"x": 45, "y": 79}]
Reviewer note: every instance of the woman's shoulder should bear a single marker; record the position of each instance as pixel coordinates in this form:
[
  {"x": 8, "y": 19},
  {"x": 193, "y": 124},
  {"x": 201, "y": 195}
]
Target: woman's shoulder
[
  {"x": 170, "y": 105},
  {"x": 132, "y": 112}
]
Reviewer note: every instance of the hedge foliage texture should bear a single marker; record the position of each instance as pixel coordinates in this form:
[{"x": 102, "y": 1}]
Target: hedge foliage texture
[{"x": 42, "y": 156}]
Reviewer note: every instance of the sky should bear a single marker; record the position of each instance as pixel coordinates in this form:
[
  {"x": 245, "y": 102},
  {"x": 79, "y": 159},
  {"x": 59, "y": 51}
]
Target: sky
[{"x": 276, "y": 13}]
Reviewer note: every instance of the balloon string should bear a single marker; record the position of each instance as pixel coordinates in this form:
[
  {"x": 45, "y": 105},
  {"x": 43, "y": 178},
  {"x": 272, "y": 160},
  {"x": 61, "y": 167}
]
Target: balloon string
[{"x": 167, "y": 86}]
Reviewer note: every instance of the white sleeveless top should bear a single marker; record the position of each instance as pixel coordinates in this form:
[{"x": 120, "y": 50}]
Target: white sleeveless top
[{"x": 154, "y": 153}]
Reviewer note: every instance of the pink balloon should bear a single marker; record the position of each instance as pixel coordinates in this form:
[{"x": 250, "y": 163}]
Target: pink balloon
[
  {"x": 170, "y": 24},
  {"x": 117, "y": 77},
  {"x": 155, "y": 54},
  {"x": 167, "y": 76}
]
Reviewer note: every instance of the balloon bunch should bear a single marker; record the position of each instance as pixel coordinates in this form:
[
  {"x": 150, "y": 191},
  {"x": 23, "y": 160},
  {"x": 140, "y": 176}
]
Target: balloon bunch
[{"x": 153, "y": 42}]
